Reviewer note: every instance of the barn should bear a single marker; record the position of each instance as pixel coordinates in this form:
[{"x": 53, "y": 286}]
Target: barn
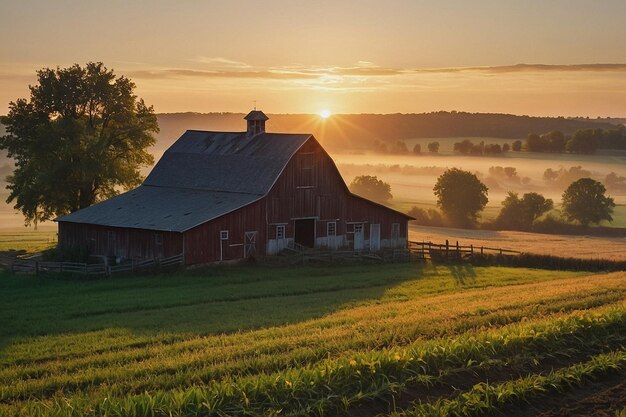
[{"x": 218, "y": 196}]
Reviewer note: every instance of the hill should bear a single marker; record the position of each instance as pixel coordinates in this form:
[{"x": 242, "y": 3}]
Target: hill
[{"x": 359, "y": 131}]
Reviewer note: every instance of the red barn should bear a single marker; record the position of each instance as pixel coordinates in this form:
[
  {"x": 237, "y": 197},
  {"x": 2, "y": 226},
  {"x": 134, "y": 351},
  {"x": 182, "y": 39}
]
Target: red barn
[{"x": 217, "y": 196}]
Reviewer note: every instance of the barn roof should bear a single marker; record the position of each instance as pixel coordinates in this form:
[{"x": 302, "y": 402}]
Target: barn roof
[
  {"x": 161, "y": 208},
  {"x": 203, "y": 175},
  {"x": 220, "y": 161},
  {"x": 256, "y": 115}
]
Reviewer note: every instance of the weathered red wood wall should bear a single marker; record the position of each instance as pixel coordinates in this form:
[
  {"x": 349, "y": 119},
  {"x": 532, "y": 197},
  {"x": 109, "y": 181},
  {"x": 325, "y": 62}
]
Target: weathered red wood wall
[
  {"x": 120, "y": 242},
  {"x": 203, "y": 243},
  {"x": 311, "y": 186}
]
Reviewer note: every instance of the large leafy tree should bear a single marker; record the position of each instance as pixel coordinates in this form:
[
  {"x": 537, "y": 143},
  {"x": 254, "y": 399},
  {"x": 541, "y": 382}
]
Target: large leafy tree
[
  {"x": 81, "y": 137},
  {"x": 520, "y": 213},
  {"x": 371, "y": 187},
  {"x": 585, "y": 201},
  {"x": 461, "y": 196}
]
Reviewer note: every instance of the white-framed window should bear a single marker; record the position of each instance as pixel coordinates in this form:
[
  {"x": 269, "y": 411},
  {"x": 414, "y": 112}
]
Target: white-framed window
[
  {"x": 395, "y": 230},
  {"x": 224, "y": 235},
  {"x": 280, "y": 232},
  {"x": 358, "y": 228},
  {"x": 331, "y": 229}
]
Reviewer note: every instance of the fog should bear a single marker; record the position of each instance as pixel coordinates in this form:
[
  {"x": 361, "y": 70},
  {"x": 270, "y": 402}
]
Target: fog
[{"x": 412, "y": 177}]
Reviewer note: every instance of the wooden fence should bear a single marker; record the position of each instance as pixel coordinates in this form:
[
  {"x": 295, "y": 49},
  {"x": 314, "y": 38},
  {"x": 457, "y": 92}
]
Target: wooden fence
[
  {"x": 447, "y": 251},
  {"x": 17, "y": 264}
]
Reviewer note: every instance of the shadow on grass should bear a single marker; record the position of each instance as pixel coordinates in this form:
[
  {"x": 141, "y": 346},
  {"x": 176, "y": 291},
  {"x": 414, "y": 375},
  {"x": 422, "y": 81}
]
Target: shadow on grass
[
  {"x": 463, "y": 273},
  {"x": 202, "y": 301}
]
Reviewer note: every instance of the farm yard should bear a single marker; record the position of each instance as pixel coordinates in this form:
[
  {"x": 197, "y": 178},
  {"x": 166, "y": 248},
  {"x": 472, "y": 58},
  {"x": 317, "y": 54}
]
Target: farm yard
[{"x": 391, "y": 339}]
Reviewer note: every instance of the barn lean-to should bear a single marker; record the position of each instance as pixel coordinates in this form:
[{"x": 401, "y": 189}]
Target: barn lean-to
[{"x": 218, "y": 196}]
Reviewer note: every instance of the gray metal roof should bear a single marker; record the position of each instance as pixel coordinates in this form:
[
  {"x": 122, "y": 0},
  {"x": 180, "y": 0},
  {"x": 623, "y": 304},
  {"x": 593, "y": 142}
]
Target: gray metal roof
[
  {"x": 221, "y": 161},
  {"x": 256, "y": 115},
  {"x": 203, "y": 175},
  {"x": 160, "y": 208}
]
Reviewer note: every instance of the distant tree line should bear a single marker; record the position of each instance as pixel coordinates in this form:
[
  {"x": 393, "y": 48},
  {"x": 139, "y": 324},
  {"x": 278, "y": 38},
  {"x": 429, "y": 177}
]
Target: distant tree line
[
  {"x": 461, "y": 196},
  {"x": 583, "y": 141}
]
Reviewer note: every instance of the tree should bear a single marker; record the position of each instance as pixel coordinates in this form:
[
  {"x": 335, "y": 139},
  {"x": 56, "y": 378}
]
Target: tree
[
  {"x": 433, "y": 147},
  {"x": 417, "y": 149},
  {"x": 371, "y": 187},
  {"x": 461, "y": 196},
  {"x": 506, "y": 147},
  {"x": 517, "y": 146},
  {"x": 584, "y": 201},
  {"x": 520, "y": 213},
  {"x": 81, "y": 137},
  {"x": 583, "y": 141}
]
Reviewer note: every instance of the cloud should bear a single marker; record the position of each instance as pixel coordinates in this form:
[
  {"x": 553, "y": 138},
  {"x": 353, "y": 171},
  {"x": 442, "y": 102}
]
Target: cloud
[
  {"x": 221, "y": 62},
  {"x": 362, "y": 69},
  {"x": 169, "y": 73},
  {"x": 528, "y": 68}
]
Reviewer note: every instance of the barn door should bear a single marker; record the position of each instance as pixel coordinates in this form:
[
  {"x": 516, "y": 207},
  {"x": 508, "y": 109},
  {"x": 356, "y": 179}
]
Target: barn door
[
  {"x": 358, "y": 236},
  {"x": 374, "y": 237},
  {"x": 249, "y": 245}
]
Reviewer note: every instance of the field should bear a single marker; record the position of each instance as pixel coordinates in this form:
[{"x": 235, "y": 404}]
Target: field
[
  {"x": 359, "y": 340},
  {"x": 588, "y": 247},
  {"x": 412, "y": 177}
]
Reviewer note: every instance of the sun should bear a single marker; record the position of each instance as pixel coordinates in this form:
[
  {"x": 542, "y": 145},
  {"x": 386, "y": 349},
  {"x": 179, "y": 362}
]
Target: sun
[{"x": 325, "y": 114}]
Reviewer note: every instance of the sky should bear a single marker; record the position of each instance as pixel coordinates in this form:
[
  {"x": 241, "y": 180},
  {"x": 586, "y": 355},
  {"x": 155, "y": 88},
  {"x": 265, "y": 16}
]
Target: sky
[{"x": 552, "y": 58}]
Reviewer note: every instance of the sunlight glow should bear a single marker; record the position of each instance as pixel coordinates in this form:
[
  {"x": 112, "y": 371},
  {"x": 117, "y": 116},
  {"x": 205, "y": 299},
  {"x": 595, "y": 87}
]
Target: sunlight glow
[{"x": 325, "y": 114}]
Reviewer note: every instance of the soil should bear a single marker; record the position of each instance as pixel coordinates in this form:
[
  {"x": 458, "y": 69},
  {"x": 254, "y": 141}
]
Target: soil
[{"x": 602, "y": 397}]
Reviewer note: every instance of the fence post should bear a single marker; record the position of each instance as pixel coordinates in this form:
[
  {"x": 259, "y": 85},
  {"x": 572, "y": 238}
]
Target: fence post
[
  {"x": 472, "y": 249},
  {"x": 447, "y": 250},
  {"x": 481, "y": 251}
]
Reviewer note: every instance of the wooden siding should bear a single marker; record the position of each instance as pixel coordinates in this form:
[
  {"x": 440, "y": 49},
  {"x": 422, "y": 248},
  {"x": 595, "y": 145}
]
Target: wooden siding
[
  {"x": 203, "y": 243},
  {"x": 119, "y": 242}
]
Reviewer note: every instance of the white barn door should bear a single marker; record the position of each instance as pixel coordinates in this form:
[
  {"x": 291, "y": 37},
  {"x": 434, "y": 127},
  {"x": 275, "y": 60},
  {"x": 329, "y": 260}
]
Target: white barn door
[
  {"x": 359, "y": 239},
  {"x": 374, "y": 237},
  {"x": 249, "y": 245}
]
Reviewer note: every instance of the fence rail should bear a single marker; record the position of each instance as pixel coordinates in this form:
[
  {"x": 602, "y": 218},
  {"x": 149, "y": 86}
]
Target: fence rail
[
  {"x": 441, "y": 251},
  {"x": 29, "y": 265}
]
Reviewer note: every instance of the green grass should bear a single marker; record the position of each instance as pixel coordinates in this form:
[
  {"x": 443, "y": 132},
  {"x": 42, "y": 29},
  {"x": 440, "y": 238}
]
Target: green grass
[
  {"x": 314, "y": 340},
  {"x": 28, "y": 239}
]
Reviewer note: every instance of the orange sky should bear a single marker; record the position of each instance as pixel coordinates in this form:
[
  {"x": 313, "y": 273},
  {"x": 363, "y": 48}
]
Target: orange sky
[{"x": 344, "y": 56}]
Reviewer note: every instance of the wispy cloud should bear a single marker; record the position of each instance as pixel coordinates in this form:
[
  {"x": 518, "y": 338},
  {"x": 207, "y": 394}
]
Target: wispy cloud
[
  {"x": 361, "y": 69},
  {"x": 220, "y": 62}
]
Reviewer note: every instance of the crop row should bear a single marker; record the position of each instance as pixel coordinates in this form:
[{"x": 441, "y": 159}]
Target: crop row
[
  {"x": 336, "y": 384},
  {"x": 201, "y": 360},
  {"x": 487, "y": 399}
]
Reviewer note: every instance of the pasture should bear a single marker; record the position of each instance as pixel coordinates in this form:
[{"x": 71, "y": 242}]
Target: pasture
[
  {"x": 401, "y": 339},
  {"x": 412, "y": 177}
]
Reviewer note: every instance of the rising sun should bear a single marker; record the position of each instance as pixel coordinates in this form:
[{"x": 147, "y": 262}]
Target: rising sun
[{"x": 325, "y": 114}]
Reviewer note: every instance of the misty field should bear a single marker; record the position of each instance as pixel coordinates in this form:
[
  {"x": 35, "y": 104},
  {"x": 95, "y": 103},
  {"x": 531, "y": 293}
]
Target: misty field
[
  {"x": 401, "y": 339},
  {"x": 412, "y": 177}
]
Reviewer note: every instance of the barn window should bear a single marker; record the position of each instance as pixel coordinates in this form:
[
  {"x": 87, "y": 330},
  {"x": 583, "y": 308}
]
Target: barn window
[
  {"x": 224, "y": 235},
  {"x": 280, "y": 232},
  {"x": 331, "y": 229},
  {"x": 158, "y": 239},
  {"x": 395, "y": 230},
  {"x": 358, "y": 228}
]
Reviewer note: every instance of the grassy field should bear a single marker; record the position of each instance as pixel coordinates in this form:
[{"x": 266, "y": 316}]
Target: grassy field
[
  {"x": 400, "y": 339},
  {"x": 587, "y": 247}
]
